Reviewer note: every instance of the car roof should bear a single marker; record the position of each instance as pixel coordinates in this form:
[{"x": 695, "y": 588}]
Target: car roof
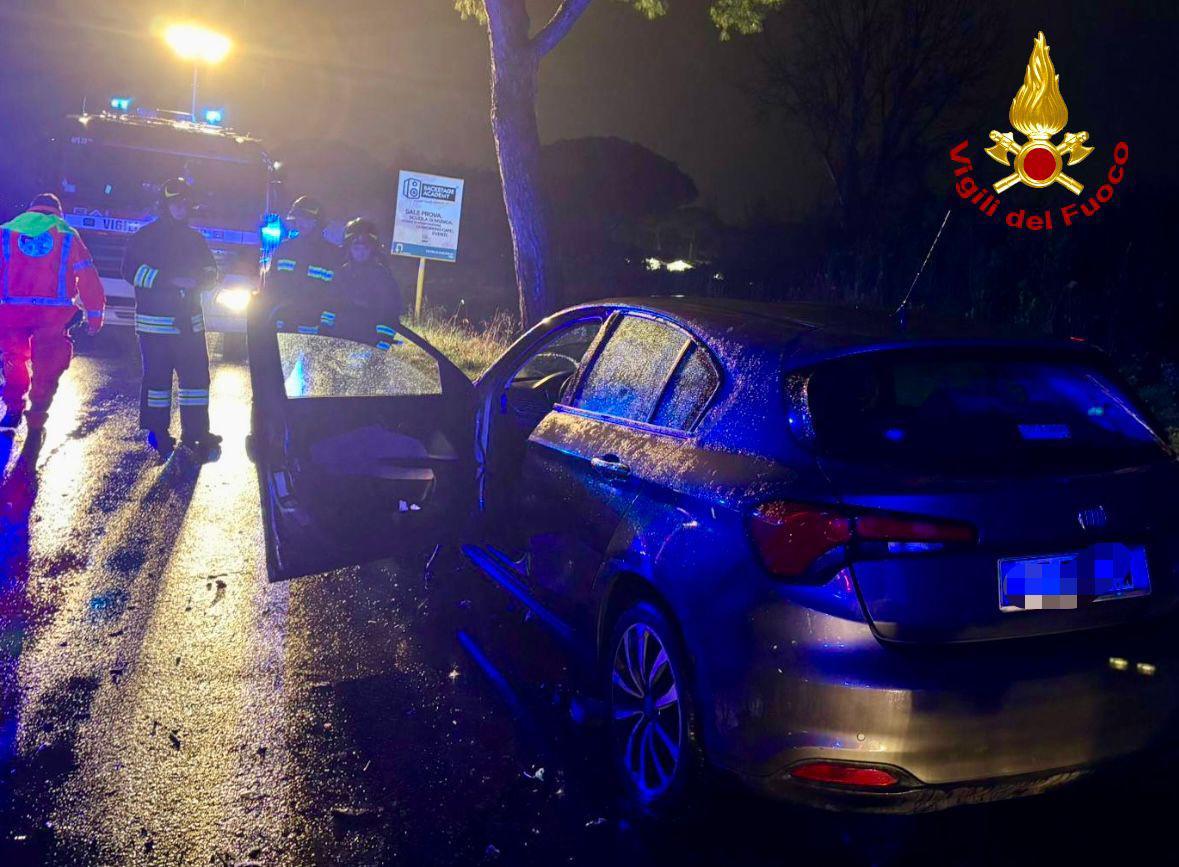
[{"x": 815, "y": 330}]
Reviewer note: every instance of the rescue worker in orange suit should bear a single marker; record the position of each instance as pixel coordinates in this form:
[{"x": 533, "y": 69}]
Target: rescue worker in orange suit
[
  {"x": 169, "y": 264},
  {"x": 46, "y": 274},
  {"x": 303, "y": 267}
]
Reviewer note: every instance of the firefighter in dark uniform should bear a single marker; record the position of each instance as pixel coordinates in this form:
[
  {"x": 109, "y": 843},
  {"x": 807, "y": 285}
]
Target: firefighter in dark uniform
[
  {"x": 169, "y": 264},
  {"x": 303, "y": 267},
  {"x": 365, "y": 279}
]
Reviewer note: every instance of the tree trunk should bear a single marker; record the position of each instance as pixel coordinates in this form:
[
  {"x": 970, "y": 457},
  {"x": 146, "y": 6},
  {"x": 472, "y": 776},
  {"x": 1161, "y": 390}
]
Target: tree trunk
[{"x": 515, "y": 64}]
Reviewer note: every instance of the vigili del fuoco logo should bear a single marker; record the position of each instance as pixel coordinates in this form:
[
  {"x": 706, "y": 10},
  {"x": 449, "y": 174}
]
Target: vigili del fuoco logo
[{"x": 1039, "y": 161}]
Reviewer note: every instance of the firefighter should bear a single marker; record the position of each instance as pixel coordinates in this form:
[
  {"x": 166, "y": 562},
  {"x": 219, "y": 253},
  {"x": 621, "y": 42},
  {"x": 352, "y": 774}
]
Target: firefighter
[
  {"x": 305, "y": 266},
  {"x": 366, "y": 279},
  {"x": 45, "y": 275},
  {"x": 169, "y": 264}
]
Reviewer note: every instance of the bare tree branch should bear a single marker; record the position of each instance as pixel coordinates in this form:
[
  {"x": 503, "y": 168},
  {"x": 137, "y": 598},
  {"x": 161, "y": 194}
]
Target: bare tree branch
[{"x": 559, "y": 26}]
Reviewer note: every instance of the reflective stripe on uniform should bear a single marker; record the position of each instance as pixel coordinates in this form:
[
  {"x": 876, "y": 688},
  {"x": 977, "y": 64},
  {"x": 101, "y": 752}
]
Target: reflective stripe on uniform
[
  {"x": 198, "y": 322},
  {"x": 324, "y": 274},
  {"x": 63, "y": 271},
  {"x": 382, "y": 345},
  {"x": 159, "y": 399},
  {"x": 145, "y": 324},
  {"x": 5, "y": 237},
  {"x": 84, "y": 263},
  {"x": 194, "y": 397},
  {"x": 285, "y": 264},
  {"x": 327, "y": 318},
  {"x": 145, "y": 277},
  {"x": 52, "y": 301},
  {"x": 308, "y": 329}
]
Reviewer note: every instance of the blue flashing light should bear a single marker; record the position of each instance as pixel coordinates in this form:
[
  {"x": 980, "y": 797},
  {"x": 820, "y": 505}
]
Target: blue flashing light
[
  {"x": 272, "y": 231},
  {"x": 214, "y": 116},
  {"x": 121, "y": 103}
]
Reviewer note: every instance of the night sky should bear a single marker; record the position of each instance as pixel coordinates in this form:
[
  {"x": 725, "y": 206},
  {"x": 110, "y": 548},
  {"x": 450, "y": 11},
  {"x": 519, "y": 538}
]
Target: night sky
[{"x": 408, "y": 77}]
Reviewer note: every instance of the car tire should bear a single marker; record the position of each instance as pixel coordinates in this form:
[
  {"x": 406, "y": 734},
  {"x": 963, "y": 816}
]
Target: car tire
[{"x": 651, "y": 714}]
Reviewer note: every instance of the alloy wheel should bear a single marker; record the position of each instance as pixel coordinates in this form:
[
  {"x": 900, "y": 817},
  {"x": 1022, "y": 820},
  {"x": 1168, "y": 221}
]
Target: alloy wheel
[{"x": 647, "y": 715}]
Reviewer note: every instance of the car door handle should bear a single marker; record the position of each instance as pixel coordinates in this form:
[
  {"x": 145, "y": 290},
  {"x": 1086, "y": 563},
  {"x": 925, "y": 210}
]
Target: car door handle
[{"x": 610, "y": 465}]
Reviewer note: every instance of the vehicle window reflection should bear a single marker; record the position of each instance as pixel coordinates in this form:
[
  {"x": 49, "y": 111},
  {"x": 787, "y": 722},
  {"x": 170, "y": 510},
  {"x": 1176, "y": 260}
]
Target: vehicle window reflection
[
  {"x": 629, "y": 375},
  {"x": 691, "y": 386},
  {"x": 316, "y": 365}
]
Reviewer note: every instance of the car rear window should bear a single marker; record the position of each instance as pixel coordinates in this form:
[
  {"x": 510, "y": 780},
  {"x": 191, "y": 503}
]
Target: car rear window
[
  {"x": 685, "y": 397},
  {"x": 974, "y": 412}
]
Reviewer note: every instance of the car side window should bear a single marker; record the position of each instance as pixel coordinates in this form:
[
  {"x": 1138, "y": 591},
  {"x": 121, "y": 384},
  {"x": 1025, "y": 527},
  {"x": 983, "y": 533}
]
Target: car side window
[
  {"x": 560, "y": 354},
  {"x": 686, "y": 395},
  {"x": 630, "y": 372},
  {"x": 318, "y": 365}
]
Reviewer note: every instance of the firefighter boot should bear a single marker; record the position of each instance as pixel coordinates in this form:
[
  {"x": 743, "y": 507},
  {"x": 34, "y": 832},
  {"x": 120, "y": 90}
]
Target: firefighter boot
[{"x": 162, "y": 442}]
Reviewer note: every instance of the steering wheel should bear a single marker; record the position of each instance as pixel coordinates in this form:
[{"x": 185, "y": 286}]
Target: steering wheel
[{"x": 573, "y": 362}]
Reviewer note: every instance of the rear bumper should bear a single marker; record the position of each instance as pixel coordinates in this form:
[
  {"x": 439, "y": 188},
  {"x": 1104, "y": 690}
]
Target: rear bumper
[
  {"x": 961, "y": 724},
  {"x": 916, "y": 798}
]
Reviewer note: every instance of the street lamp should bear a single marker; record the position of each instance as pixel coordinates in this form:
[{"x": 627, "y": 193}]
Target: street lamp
[{"x": 198, "y": 45}]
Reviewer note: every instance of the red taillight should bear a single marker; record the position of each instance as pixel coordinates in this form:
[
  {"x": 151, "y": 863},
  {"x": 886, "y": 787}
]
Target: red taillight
[
  {"x": 790, "y": 537},
  {"x": 888, "y": 528},
  {"x": 836, "y": 774}
]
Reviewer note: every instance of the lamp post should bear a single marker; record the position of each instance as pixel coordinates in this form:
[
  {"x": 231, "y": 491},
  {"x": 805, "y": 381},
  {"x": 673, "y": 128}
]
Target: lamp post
[{"x": 198, "y": 45}]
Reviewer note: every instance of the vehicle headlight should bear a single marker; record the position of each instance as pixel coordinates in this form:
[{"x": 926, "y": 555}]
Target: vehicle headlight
[{"x": 235, "y": 298}]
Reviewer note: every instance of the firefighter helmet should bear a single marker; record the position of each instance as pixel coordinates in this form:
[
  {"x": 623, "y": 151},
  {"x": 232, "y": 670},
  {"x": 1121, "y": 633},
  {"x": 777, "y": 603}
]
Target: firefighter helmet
[
  {"x": 308, "y": 207},
  {"x": 361, "y": 229},
  {"x": 176, "y": 190}
]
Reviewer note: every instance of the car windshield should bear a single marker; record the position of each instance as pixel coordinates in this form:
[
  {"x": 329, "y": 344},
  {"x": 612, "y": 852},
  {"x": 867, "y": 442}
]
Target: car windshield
[
  {"x": 975, "y": 412},
  {"x": 123, "y": 181}
]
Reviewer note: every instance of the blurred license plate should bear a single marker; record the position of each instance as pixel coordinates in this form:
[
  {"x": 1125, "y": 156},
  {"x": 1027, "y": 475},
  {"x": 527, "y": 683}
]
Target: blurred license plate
[{"x": 1096, "y": 574}]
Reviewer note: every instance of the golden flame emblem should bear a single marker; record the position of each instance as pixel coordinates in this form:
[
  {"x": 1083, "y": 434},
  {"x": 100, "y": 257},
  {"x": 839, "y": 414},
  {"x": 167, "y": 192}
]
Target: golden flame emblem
[{"x": 1039, "y": 112}]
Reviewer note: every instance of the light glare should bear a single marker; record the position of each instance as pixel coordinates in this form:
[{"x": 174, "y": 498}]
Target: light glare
[
  {"x": 197, "y": 44},
  {"x": 236, "y": 299}
]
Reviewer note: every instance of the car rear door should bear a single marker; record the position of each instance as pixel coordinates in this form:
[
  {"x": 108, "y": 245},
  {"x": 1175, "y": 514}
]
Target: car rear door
[
  {"x": 590, "y": 457},
  {"x": 1066, "y": 484},
  {"x": 363, "y": 438}
]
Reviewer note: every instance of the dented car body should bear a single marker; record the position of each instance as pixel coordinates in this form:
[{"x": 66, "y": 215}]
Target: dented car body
[{"x": 849, "y": 565}]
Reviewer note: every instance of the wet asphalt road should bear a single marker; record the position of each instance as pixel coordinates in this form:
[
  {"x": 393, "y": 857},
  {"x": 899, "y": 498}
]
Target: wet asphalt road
[{"x": 161, "y": 703}]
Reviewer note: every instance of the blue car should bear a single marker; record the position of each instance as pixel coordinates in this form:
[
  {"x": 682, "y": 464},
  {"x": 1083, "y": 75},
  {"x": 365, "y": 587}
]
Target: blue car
[{"x": 844, "y": 563}]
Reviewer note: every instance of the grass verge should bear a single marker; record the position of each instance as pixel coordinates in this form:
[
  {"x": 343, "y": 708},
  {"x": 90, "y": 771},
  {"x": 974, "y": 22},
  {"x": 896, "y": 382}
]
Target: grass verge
[{"x": 471, "y": 346}]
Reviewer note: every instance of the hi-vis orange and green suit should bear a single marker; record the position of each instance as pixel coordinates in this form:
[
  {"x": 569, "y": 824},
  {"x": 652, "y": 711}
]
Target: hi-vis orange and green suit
[{"x": 46, "y": 274}]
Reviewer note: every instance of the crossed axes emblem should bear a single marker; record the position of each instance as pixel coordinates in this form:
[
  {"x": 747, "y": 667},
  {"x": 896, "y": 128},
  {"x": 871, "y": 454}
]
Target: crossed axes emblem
[{"x": 1072, "y": 145}]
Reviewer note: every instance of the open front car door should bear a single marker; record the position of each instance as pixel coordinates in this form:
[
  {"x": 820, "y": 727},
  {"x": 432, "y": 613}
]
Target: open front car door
[{"x": 363, "y": 438}]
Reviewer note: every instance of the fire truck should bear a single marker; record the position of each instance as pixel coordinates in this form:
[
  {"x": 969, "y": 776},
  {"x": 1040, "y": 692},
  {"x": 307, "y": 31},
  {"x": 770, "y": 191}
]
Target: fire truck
[{"x": 108, "y": 168}]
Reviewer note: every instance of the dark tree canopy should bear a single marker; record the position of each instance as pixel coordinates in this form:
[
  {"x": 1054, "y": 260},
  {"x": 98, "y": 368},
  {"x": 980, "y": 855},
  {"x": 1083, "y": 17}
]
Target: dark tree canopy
[
  {"x": 610, "y": 178},
  {"x": 873, "y": 82},
  {"x": 730, "y": 16},
  {"x": 516, "y": 54}
]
